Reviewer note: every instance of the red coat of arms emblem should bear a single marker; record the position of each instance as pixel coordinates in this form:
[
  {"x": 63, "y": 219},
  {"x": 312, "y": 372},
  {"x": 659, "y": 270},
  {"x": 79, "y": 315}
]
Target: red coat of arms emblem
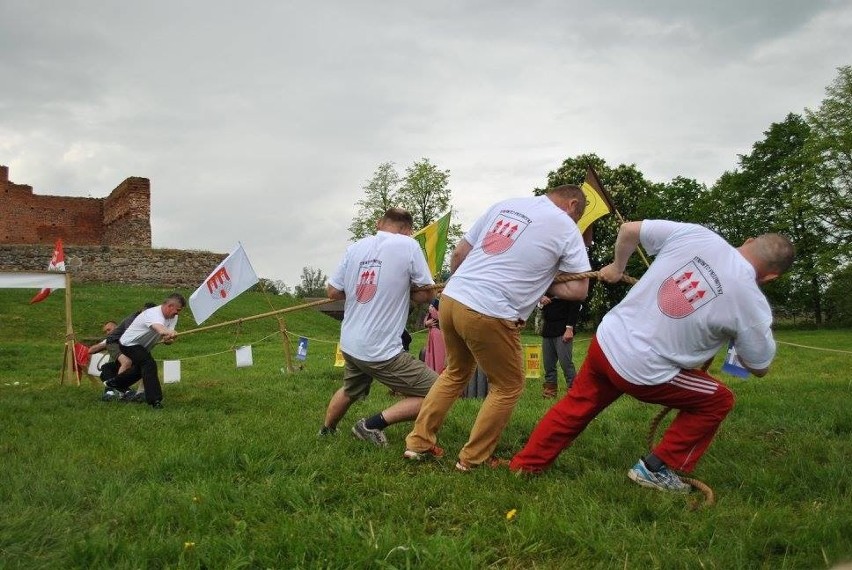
[
  {"x": 503, "y": 231},
  {"x": 219, "y": 284},
  {"x": 684, "y": 292},
  {"x": 368, "y": 283}
]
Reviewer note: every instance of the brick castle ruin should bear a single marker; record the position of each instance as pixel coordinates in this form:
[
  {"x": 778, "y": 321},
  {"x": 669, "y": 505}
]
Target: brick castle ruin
[{"x": 105, "y": 239}]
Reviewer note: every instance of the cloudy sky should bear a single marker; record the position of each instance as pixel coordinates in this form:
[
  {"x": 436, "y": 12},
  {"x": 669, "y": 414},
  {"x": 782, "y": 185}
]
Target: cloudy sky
[{"x": 260, "y": 121}]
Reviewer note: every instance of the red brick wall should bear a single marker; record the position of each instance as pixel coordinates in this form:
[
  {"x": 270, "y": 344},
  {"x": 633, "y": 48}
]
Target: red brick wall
[{"x": 121, "y": 219}]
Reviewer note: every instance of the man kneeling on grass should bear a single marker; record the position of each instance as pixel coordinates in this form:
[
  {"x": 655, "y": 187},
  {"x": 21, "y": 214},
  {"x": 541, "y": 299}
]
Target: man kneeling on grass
[
  {"x": 375, "y": 278},
  {"x": 697, "y": 295},
  {"x": 147, "y": 329}
]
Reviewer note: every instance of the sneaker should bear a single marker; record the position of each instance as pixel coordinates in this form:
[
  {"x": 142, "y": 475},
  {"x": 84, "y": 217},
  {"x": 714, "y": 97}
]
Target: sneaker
[
  {"x": 111, "y": 395},
  {"x": 133, "y": 396},
  {"x": 137, "y": 397},
  {"x": 324, "y": 431},
  {"x": 158, "y": 405},
  {"x": 375, "y": 436},
  {"x": 492, "y": 462},
  {"x": 549, "y": 391},
  {"x": 433, "y": 452},
  {"x": 664, "y": 479}
]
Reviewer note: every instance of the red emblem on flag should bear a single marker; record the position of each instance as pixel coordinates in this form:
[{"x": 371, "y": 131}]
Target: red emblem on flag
[
  {"x": 504, "y": 230},
  {"x": 684, "y": 292},
  {"x": 368, "y": 283},
  {"x": 219, "y": 284}
]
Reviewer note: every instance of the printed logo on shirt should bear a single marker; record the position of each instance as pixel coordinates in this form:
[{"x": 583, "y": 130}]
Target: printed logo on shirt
[
  {"x": 685, "y": 291},
  {"x": 368, "y": 280},
  {"x": 504, "y": 230}
]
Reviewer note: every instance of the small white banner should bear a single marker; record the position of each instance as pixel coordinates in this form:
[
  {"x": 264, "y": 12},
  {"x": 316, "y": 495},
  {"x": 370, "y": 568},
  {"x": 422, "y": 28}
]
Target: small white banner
[
  {"x": 244, "y": 356},
  {"x": 171, "y": 371},
  {"x": 98, "y": 359},
  {"x": 32, "y": 279}
]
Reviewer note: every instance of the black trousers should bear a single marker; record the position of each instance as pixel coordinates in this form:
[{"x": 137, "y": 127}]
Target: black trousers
[{"x": 144, "y": 366}]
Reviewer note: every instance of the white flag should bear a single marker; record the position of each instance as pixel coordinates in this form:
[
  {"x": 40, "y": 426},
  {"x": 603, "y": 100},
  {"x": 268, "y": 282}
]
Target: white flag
[{"x": 229, "y": 279}]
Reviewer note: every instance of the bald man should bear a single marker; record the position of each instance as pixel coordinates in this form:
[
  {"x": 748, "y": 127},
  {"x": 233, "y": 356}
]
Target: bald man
[{"x": 699, "y": 294}]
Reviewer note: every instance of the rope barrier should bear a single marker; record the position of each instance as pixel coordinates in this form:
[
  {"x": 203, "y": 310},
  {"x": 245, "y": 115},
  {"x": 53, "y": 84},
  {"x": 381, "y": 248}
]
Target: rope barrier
[{"x": 815, "y": 347}]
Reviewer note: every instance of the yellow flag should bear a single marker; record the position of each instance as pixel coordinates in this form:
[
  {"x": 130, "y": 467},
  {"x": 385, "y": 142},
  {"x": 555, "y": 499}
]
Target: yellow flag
[
  {"x": 598, "y": 201},
  {"x": 433, "y": 242}
]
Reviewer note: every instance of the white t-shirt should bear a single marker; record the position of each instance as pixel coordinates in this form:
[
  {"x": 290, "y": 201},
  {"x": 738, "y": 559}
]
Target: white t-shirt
[
  {"x": 698, "y": 294},
  {"x": 140, "y": 333},
  {"x": 518, "y": 247},
  {"x": 377, "y": 274}
]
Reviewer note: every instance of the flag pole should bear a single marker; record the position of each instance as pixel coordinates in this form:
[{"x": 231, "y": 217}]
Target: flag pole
[{"x": 69, "y": 363}]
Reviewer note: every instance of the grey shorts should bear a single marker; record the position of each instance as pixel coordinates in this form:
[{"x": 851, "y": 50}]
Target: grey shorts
[{"x": 402, "y": 373}]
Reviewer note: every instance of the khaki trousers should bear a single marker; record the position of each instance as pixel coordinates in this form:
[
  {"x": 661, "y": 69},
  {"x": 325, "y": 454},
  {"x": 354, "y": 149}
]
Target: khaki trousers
[{"x": 471, "y": 338}]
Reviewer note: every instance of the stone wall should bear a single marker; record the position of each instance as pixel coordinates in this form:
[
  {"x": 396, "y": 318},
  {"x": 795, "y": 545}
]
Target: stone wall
[
  {"x": 121, "y": 219},
  {"x": 160, "y": 267}
]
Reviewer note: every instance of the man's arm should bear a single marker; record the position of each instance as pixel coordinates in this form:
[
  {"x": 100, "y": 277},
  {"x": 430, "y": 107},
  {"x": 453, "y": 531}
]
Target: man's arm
[
  {"x": 423, "y": 295},
  {"x": 569, "y": 290},
  {"x": 459, "y": 254},
  {"x": 625, "y": 244},
  {"x": 166, "y": 334},
  {"x": 335, "y": 294},
  {"x": 95, "y": 348}
]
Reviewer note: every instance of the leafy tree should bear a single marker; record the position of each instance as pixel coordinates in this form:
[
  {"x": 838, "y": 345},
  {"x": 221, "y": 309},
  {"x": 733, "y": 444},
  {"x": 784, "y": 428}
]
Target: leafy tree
[
  {"x": 380, "y": 193},
  {"x": 274, "y": 286},
  {"x": 312, "y": 284},
  {"x": 426, "y": 194},
  {"x": 774, "y": 191},
  {"x": 831, "y": 144}
]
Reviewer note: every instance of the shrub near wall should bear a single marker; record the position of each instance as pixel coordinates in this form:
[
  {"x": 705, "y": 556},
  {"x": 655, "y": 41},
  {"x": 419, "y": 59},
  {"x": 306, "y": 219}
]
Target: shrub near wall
[{"x": 162, "y": 267}]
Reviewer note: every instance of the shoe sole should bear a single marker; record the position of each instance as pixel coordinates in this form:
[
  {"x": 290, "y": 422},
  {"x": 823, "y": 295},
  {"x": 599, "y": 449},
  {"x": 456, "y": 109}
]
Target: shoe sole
[
  {"x": 633, "y": 476},
  {"x": 419, "y": 455}
]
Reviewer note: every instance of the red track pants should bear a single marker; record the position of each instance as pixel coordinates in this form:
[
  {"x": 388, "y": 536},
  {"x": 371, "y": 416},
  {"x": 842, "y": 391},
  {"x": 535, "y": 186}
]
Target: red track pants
[{"x": 702, "y": 401}]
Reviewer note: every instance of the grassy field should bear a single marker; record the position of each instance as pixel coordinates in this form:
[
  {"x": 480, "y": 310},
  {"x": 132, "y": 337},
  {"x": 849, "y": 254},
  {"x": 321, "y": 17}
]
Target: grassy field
[{"x": 231, "y": 473}]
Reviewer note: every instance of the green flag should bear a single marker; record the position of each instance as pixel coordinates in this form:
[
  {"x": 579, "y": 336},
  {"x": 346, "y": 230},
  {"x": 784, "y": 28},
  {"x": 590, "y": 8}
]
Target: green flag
[{"x": 433, "y": 242}]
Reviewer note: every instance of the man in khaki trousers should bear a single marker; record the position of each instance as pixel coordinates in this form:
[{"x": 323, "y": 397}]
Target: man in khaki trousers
[{"x": 501, "y": 268}]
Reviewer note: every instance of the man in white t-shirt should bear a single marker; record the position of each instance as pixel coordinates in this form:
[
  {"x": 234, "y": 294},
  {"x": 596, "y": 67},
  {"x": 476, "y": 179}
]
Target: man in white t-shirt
[
  {"x": 501, "y": 268},
  {"x": 151, "y": 326},
  {"x": 375, "y": 278},
  {"x": 697, "y": 295}
]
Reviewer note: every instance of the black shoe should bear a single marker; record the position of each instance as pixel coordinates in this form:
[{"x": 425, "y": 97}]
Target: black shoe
[
  {"x": 112, "y": 395},
  {"x": 158, "y": 405}
]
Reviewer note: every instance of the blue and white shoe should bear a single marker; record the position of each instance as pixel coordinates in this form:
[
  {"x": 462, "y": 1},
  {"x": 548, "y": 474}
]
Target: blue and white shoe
[{"x": 664, "y": 479}]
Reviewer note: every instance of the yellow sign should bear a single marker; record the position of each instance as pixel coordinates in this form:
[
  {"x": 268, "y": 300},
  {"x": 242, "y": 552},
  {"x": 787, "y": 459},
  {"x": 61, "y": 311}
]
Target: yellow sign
[
  {"x": 338, "y": 357},
  {"x": 532, "y": 361}
]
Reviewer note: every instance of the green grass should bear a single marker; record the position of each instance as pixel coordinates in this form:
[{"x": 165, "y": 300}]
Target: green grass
[{"x": 231, "y": 474}]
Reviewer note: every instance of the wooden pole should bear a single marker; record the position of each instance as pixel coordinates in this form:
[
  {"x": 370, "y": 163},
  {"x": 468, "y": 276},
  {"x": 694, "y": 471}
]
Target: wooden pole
[
  {"x": 260, "y": 316},
  {"x": 69, "y": 364}
]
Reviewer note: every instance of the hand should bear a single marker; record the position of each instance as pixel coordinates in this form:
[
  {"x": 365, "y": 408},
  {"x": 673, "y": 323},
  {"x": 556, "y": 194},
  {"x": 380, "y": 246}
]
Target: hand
[
  {"x": 610, "y": 273},
  {"x": 545, "y": 300},
  {"x": 430, "y": 323},
  {"x": 168, "y": 337},
  {"x": 568, "y": 335}
]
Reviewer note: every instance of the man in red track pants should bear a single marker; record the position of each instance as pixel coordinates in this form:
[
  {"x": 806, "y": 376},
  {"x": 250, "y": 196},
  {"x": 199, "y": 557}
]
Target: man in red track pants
[{"x": 699, "y": 294}]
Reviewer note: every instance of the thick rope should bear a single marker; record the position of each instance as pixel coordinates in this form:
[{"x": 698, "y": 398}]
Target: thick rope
[{"x": 709, "y": 495}]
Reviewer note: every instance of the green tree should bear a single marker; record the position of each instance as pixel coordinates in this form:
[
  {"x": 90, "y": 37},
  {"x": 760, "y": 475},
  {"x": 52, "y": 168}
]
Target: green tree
[
  {"x": 380, "y": 193},
  {"x": 831, "y": 144},
  {"x": 313, "y": 282},
  {"x": 774, "y": 190},
  {"x": 425, "y": 192}
]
